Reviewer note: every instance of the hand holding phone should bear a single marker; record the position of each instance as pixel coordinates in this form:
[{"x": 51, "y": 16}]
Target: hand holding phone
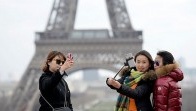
[
  {"x": 68, "y": 63},
  {"x": 129, "y": 60}
]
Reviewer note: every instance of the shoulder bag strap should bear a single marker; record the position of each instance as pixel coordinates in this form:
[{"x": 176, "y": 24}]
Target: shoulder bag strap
[
  {"x": 47, "y": 101},
  {"x": 65, "y": 103}
]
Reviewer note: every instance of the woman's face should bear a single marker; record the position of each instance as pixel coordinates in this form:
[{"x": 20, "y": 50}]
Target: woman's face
[
  {"x": 142, "y": 63},
  {"x": 56, "y": 63},
  {"x": 158, "y": 62}
]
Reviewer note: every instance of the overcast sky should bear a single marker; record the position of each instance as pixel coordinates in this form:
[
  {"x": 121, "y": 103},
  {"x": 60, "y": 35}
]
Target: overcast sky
[{"x": 166, "y": 25}]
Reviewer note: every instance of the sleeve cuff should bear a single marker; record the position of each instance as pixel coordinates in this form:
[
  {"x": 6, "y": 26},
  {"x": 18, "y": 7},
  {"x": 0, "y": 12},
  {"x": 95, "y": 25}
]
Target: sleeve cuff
[{"x": 62, "y": 72}]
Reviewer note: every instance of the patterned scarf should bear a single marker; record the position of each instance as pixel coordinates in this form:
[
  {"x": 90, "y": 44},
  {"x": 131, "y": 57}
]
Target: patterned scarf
[{"x": 123, "y": 101}]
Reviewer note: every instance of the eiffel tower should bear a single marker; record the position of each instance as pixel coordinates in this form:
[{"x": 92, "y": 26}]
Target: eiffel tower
[{"x": 93, "y": 49}]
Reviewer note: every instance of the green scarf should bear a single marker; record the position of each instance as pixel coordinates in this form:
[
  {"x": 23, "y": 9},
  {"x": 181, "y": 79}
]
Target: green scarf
[{"x": 123, "y": 101}]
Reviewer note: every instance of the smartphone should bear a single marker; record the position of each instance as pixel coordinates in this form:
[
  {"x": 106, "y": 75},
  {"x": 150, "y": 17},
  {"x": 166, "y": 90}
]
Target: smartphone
[
  {"x": 70, "y": 55},
  {"x": 129, "y": 60}
]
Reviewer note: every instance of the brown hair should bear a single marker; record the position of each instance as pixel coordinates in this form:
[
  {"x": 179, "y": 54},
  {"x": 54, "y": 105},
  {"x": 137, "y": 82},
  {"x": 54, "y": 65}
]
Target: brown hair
[{"x": 50, "y": 57}]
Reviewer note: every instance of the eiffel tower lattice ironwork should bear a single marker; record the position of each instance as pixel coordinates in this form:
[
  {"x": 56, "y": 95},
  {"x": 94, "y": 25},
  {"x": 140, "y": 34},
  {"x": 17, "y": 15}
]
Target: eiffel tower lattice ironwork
[{"x": 91, "y": 48}]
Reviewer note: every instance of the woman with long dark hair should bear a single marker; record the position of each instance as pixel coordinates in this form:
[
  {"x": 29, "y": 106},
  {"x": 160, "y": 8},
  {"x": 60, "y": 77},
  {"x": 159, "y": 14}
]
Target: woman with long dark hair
[{"x": 134, "y": 87}]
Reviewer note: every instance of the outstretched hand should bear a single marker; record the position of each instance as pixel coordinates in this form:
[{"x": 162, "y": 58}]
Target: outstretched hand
[
  {"x": 68, "y": 63},
  {"x": 113, "y": 82}
]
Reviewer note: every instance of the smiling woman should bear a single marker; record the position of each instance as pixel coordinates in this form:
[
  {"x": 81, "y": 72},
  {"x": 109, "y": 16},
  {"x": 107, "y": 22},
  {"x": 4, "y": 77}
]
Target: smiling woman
[{"x": 133, "y": 86}]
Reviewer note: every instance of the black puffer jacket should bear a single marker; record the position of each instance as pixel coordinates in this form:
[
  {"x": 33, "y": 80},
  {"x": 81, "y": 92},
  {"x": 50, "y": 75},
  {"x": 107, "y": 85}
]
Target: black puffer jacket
[
  {"x": 53, "y": 88},
  {"x": 141, "y": 94}
]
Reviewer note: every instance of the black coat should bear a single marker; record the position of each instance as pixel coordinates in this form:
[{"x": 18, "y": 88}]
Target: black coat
[
  {"x": 141, "y": 94},
  {"x": 53, "y": 88}
]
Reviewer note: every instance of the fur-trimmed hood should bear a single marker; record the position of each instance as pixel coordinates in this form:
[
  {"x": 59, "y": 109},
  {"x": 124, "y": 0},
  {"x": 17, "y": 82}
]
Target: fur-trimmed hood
[
  {"x": 150, "y": 75},
  {"x": 171, "y": 70}
]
